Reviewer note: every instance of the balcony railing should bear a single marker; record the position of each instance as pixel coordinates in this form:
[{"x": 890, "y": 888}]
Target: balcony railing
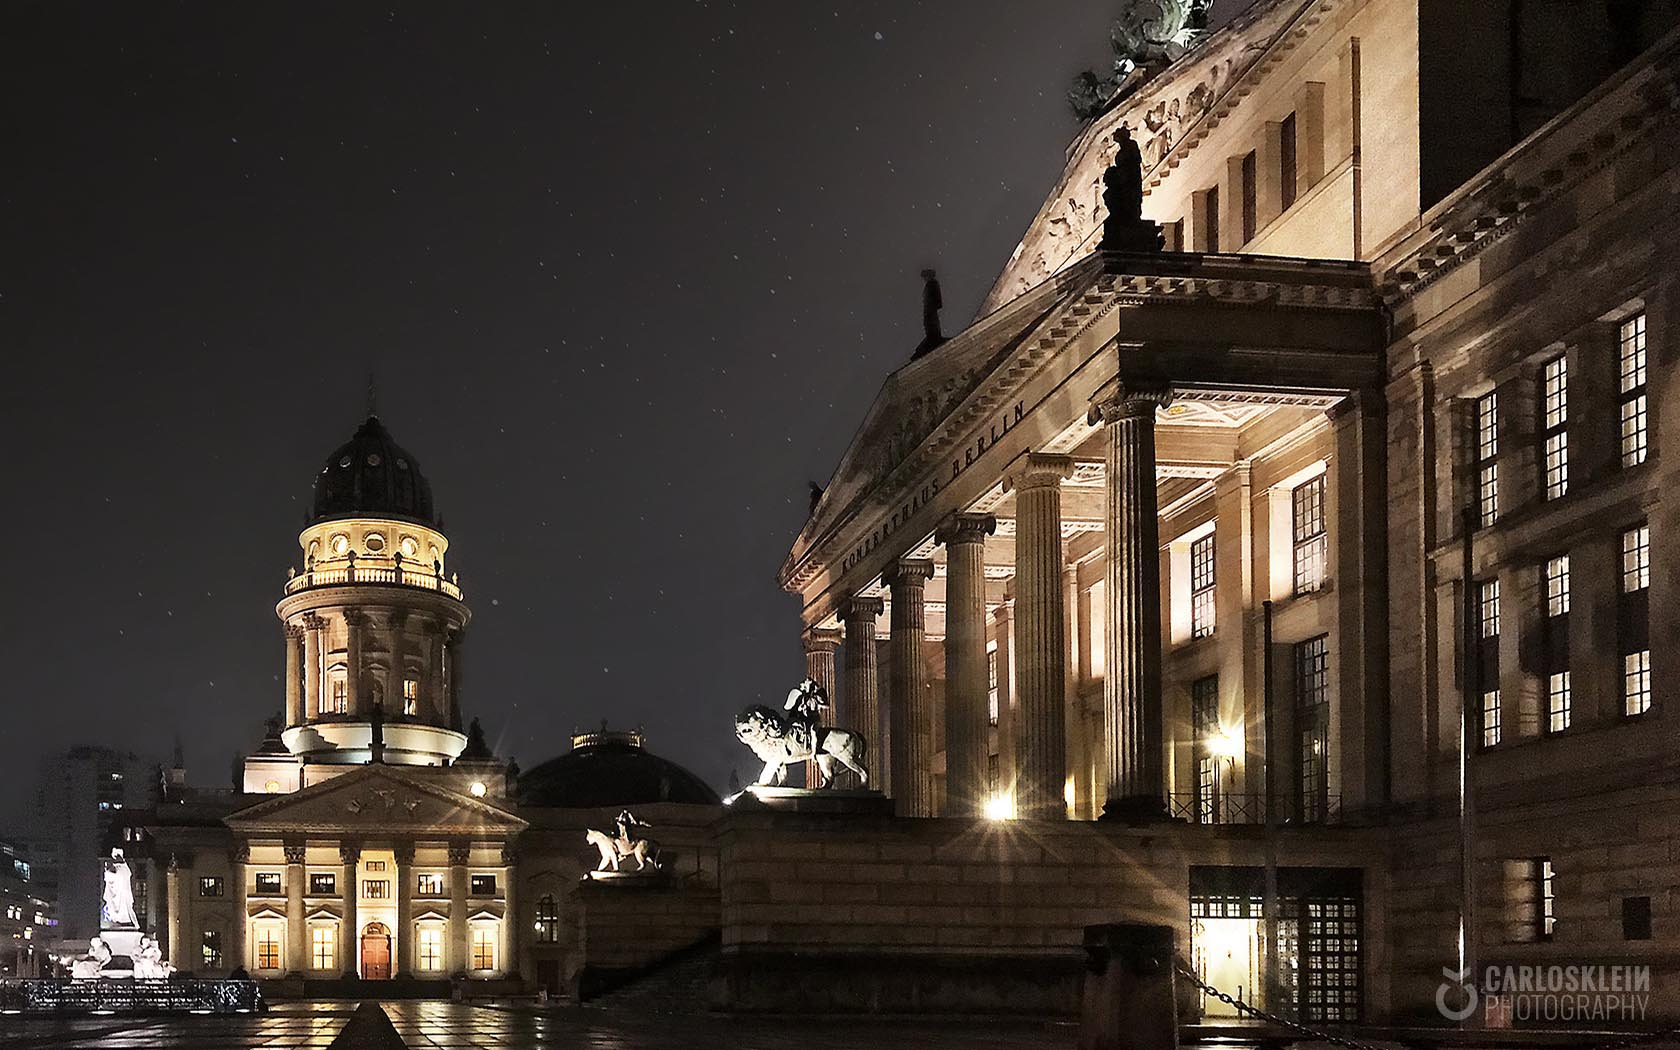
[
  {"x": 394, "y": 576},
  {"x": 1238, "y": 808}
]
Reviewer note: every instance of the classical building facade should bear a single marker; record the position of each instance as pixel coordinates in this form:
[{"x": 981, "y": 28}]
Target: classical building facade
[
  {"x": 374, "y": 837},
  {"x": 1356, "y": 486}
]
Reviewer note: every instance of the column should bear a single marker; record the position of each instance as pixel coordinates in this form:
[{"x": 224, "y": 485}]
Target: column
[
  {"x": 456, "y": 672},
  {"x": 459, "y": 960},
  {"x": 908, "y": 711},
  {"x": 403, "y": 852},
  {"x": 433, "y": 702},
  {"x": 1007, "y": 728},
  {"x": 294, "y": 674},
  {"x": 297, "y": 951},
  {"x": 311, "y": 666},
  {"x": 966, "y": 685},
  {"x": 863, "y": 705},
  {"x": 353, "y": 622},
  {"x": 511, "y": 924},
  {"x": 349, "y": 938},
  {"x": 1132, "y": 589},
  {"x": 238, "y": 857},
  {"x": 820, "y": 645},
  {"x": 176, "y": 950},
  {"x": 1078, "y": 753},
  {"x": 1040, "y": 639}
]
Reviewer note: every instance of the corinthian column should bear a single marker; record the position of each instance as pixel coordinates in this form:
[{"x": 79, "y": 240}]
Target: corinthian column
[
  {"x": 863, "y": 708},
  {"x": 1132, "y": 588},
  {"x": 909, "y": 715},
  {"x": 966, "y": 683},
  {"x": 820, "y": 644},
  {"x": 353, "y": 621},
  {"x": 350, "y": 939},
  {"x": 1040, "y": 640},
  {"x": 294, "y": 675},
  {"x": 311, "y": 665}
]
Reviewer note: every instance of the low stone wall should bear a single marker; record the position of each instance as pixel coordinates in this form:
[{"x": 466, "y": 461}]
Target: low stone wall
[
  {"x": 628, "y": 926},
  {"x": 884, "y": 914}
]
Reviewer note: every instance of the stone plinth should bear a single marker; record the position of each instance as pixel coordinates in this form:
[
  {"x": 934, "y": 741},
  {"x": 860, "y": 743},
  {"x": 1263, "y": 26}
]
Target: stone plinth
[
  {"x": 838, "y": 802},
  {"x": 628, "y": 926}
]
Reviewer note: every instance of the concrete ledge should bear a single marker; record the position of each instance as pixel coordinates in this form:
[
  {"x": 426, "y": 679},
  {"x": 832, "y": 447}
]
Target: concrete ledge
[{"x": 1045, "y": 985}]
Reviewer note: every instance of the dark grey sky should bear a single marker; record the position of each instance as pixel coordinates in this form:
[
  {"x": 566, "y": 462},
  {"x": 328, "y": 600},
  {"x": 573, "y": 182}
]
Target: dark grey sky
[{"x": 629, "y": 278}]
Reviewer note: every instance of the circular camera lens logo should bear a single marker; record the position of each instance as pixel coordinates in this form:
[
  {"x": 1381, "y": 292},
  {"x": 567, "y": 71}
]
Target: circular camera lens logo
[{"x": 1457, "y": 986}]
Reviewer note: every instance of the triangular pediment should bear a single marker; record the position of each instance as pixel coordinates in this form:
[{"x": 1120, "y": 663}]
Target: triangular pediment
[{"x": 376, "y": 799}]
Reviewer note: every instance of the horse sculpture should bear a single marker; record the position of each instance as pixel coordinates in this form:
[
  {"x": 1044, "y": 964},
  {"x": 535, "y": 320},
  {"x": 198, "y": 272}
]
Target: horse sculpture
[{"x": 618, "y": 848}]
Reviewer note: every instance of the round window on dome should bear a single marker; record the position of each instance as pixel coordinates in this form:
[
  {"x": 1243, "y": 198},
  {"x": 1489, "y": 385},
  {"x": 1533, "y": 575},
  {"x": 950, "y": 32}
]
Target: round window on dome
[
  {"x": 375, "y": 542},
  {"x": 345, "y": 462},
  {"x": 409, "y": 546},
  {"x": 373, "y": 459},
  {"x": 340, "y": 544}
]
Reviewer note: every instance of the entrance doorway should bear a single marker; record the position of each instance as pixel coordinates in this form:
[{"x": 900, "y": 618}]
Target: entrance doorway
[{"x": 376, "y": 952}]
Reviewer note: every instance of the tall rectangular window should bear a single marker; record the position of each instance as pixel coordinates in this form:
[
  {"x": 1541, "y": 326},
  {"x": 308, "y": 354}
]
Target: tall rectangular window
[
  {"x": 1633, "y": 620},
  {"x": 1487, "y": 458},
  {"x": 1096, "y": 639},
  {"x": 1545, "y": 898},
  {"x": 1554, "y": 429},
  {"x": 1636, "y": 683},
  {"x": 484, "y": 948},
  {"x": 1555, "y": 643},
  {"x": 1633, "y": 421},
  {"x": 1636, "y": 558},
  {"x": 1286, "y": 161},
  {"x": 268, "y": 949},
  {"x": 1250, "y": 176},
  {"x": 1558, "y": 703},
  {"x": 431, "y": 948},
  {"x": 1312, "y": 720},
  {"x": 992, "y": 711},
  {"x": 1210, "y": 217},
  {"x": 411, "y": 696},
  {"x": 1557, "y": 586},
  {"x": 321, "y": 947},
  {"x": 548, "y": 920},
  {"x": 210, "y": 949},
  {"x": 338, "y": 697},
  {"x": 1201, "y": 587},
  {"x": 1487, "y": 660},
  {"x": 1204, "y": 730},
  {"x": 1312, "y": 544}
]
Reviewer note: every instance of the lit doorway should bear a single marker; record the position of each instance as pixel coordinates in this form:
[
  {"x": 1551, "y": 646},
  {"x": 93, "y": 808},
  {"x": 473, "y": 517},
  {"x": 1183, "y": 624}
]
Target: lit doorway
[{"x": 376, "y": 952}]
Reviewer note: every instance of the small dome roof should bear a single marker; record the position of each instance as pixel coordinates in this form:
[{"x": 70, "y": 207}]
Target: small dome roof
[
  {"x": 610, "y": 769},
  {"x": 371, "y": 475}
]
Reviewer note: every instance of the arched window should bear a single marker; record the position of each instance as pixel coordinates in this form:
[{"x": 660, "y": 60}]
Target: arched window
[{"x": 548, "y": 920}]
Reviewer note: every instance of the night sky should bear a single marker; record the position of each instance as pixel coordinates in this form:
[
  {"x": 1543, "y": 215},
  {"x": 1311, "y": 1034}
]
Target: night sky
[{"x": 628, "y": 279}]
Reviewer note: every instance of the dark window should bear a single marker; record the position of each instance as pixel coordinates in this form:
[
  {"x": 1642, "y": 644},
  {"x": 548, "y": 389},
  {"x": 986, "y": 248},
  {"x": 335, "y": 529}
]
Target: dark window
[
  {"x": 1173, "y": 233},
  {"x": 322, "y": 883},
  {"x": 1312, "y": 720},
  {"x": 268, "y": 882},
  {"x": 1205, "y": 737},
  {"x": 548, "y": 920},
  {"x": 1210, "y": 217},
  {"x": 1249, "y": 178},
  {"x": 1286, "y": 161},
  {"x": 210, "y": 886},
  {"x": 483, "y": 885},
  {"x": 1636, "y": 918}
]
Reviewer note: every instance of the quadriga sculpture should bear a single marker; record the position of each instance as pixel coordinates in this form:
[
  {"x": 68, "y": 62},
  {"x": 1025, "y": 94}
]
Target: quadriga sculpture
[{"x": 798, "y": 735}]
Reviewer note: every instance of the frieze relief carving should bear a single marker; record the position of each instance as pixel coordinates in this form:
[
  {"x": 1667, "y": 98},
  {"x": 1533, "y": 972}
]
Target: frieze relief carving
[
  {"x": 381, "y": 803},
  {"x": 920, "y": 415}
]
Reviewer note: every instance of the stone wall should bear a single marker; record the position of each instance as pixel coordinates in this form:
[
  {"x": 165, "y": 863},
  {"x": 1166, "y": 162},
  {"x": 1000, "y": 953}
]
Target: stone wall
[{"x": 627, "y": 926}]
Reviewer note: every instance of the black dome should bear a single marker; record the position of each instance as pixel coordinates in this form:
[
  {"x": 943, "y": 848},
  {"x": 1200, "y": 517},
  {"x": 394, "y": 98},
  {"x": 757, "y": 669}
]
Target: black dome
[
  {"x": 370, "y": 475},
  {"x": 611, "y": 769}
]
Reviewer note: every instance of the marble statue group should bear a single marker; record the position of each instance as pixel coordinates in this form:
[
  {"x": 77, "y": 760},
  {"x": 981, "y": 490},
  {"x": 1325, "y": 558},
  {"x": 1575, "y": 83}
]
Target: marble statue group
[{"x": 796, "y": 734}]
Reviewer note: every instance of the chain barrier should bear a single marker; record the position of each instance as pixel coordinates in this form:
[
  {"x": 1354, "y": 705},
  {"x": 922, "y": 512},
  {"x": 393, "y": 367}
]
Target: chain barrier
[{"x": 1624, "y": 1043}]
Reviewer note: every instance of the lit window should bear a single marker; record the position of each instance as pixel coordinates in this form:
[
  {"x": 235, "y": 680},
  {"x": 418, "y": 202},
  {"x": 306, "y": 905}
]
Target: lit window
[
  {"x": 1554, "y": 391},
  {"x": 1204, "y": 731},
  {"x": 323, "y": 883},
  {"x": 1312, "y": 546},
  {"x": 430, "y": 886},
  {"x": 268, "y": 883},
  {"x": 992, "y": 683},
  {"x": 321, "y": 947},
  {"x": 1487, "y": 458},
  {"x": 1487, "y": 604},
  {"x": 411, "y": 696},
  {"x": 1201, "y": 587},
  {"x": 484, "y": 948},
  {"x": 482, "y": 885},
  {"x": 376, "y": 889},
  {"x": 210, "y": 886},
  {"x": 548, "y": 920},
  {"x": 1491, "y": 720},
  {"x": 1557, "y": 585},
  {"x": 1636, "y": 559},
  {"x": 1557, "y": 702},
  {"x": 211, "y": 949},
  {"x": 338, "y": 704},
  {"x": 1633, "y": 422},
  {"x": 376, "y": 865},
  {"x": 1545, "y": 898},
  {"x": 1097, "y": 639},
  {"x": 268, "y": 948},
  {"x": 431, "y": 948},
  {"x": 1312, "y": 719},
  {"x": 1636, "y": 682}
]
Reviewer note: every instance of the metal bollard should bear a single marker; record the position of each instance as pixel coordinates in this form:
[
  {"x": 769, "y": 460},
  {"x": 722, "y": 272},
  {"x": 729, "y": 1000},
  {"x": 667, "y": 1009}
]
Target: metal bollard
[{"x": 1128, "y": 1002}]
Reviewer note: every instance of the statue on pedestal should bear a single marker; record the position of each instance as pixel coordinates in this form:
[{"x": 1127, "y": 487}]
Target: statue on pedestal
[
  {"x": 800, "y": 736},
  {"x": 117, "y": 909},
  {"x": 148, "y": 962},
  {"x": 1125, "y": 229},
  {"x": 89, "y": 965},
  {"x": 622, "y": 846}
]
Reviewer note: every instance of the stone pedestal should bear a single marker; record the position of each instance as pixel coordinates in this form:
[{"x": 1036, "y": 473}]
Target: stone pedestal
[
  {"x": 1128, "y": 1002},
  {"x": 834, "y": 802}
]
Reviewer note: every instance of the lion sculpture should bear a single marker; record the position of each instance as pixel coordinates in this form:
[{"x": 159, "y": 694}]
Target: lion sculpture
[{"x": 779, "y": 739}]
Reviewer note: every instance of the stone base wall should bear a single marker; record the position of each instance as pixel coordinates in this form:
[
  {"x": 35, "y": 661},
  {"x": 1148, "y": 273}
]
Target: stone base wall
[
  {"x": 626, "y": 927},
  {"x": 889, "y": 914}
]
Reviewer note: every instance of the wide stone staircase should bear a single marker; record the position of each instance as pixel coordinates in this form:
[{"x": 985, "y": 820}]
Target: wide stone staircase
[{"x": 676, "y": 985}]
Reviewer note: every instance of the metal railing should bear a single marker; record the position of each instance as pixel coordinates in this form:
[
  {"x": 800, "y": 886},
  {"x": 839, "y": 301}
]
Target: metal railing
[
  {"x": 394, "y": 576},
  {"x": 1248, "y": 808},
  {"x": 175, "y": 995}
]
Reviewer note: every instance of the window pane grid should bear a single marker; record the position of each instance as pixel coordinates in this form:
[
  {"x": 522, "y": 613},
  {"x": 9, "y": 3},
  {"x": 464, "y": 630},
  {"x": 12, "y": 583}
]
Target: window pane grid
[
  {"x": 1312, "y": 548},
  {"x": 1636, "y": 682},
  {"x": 1633, "y": 353},
  {"x": 1557, "y": 586},
  {"x": 1487, "y": 494},
  {"x": 1487, "y": 604},
  {"x": 1312, "y": 698},
  {"x": 1636, "y": 558},
  {"x": 1557, "y": 702},
  {"x": 1201, "y": 587},
  {"x": 1634, "y": 435},
  {"x": 1557, "y": 465},
  {"x": 1492, "y": 722},
  {"x": 1546, "y": 902},
  {"x": 321, "y": 947},
  {"x": 1555, "y": 418}
]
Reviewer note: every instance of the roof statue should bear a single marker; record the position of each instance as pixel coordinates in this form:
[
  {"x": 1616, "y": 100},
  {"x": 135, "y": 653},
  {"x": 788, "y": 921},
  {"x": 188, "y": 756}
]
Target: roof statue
[
  {"x": 1125, "y": 229},
  {"x": 932, "y": 303},
  {"x": 1148, "y": 36}
]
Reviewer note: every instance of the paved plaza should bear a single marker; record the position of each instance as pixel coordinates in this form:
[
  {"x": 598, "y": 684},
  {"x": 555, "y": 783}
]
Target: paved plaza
[{"x": 436, "y": 1024}]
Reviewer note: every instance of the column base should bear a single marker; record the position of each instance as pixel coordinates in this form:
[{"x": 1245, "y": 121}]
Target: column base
[{"x": 1136, "y": 809}]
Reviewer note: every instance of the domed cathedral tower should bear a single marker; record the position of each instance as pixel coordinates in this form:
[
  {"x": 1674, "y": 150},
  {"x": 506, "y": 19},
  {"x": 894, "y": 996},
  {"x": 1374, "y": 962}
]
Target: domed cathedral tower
[{"x": 373, "y": 621}]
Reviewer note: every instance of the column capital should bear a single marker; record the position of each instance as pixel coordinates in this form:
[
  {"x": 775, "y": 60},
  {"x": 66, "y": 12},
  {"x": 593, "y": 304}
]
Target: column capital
[
  {"x": 459, "y": 853},
  {"x": 1039, "y": 470},
  {"x": 1131, "y": 402},
  {"x": 355, "y": 617},
  {"x": 510, "y": 853},
  {"x": 403, "y": 852},
  {"x": 314, "y": 621},
  {"x": 294, "y": 631},
  {"x": 295, "y": 852},
  {"x": 821, "y": 639},
  {"x": 861, "y": 608},
  {"x": 239, "y": 853},
  {"x": 349, "y": 852},
  {"x": 966, "y": 528},
  {"x": 911, "y": 571}
]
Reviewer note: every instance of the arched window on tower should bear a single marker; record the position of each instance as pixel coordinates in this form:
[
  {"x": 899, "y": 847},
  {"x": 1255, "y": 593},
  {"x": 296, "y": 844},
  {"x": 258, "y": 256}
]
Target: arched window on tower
[{"x": 411, "y": 696}]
